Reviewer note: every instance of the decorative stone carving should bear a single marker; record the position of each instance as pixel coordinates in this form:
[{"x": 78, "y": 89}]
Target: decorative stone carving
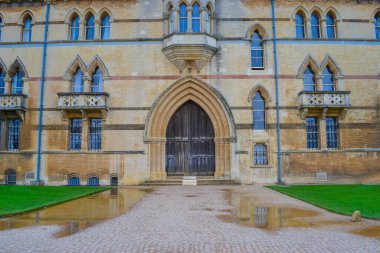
[{"x": 13, "y": 104}]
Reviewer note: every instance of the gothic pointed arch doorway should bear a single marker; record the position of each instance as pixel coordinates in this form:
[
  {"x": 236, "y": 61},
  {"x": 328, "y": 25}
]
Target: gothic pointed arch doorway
[{"x": 190, "y": 146}]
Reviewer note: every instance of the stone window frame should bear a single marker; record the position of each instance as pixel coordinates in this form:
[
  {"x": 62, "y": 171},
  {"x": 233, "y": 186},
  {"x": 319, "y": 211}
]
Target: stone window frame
[
  {"x": 267, "y": 99},
  {"x": 264, "y": 35},
  {"x": 21, "y": 23}
]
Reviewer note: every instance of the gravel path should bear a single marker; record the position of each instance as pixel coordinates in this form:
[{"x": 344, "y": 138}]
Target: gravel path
[{"x": 184, "y": 219}]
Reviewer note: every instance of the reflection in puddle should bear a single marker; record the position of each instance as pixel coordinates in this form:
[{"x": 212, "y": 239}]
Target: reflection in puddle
[
  {"x": 81, "y": 213},
  {"x": 271, "y": 218},
  {"x": 248, "y": 213}
]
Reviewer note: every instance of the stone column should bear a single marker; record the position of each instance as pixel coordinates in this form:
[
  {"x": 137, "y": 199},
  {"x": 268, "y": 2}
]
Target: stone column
[
  {"x": 97, "y": 30},
  {"x": 166, "y": 23},
  {"x": 176, "y": 20},
  {"x": 189, "y": 19},
  {"x": 82, "y": 31},
  {"x": 322, "y": 134},
  {"x": 87, "y": 83},
  {"x": 307, "y": 28},
  {"x": 162, "y": 156},
  {"x": 152, "y": 163},
  {"x": 8, "y": 85},
  {"x": 339, "y": 83},
  {"x": 319, "y": 82},
  {"x": 323, "y": 28},
  {"x": 213, "y": 23},
  {"x": 85, "y": 132}
]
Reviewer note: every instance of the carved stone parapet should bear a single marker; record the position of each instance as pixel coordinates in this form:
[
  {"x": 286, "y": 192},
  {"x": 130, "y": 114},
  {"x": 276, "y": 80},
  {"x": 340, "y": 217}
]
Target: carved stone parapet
[{"x": 13, "y": 105}]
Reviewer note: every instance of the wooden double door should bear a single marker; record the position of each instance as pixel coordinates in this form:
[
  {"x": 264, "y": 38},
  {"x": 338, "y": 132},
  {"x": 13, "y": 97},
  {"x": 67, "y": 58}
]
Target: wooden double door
[{"x": 190, "y": 146}]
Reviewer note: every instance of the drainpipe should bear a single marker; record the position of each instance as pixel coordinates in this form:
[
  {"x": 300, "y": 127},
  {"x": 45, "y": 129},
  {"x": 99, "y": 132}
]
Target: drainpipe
[
  {"x": 277, "y": 95},
  {"x": 38, "y": 172}
]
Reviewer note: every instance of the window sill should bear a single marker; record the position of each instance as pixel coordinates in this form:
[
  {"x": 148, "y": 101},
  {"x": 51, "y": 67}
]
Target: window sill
[
  {"x": 261, "y": 166},
  {"x": 259, "y": 68}
]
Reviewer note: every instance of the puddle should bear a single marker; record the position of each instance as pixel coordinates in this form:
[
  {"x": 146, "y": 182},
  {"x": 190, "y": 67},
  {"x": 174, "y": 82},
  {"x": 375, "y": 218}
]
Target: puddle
[
  {"x": 368, "y": 231},
  {"x": 248, "y": 213},
  {"x": 79, "y": 214}
]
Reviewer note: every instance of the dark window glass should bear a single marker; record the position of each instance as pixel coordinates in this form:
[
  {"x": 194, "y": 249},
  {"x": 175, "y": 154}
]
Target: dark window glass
[
  {"x": 17, "y": 82},
  {"x": 330, "y": 25},
  {"x": 27, "y": 33},
  {"x": 74, "y": 28},
  {"x": 97, "y": 81},
  {"x": 377, "y": 26},
  {"x": 196, "y": 18},
  {"x": 93, "y": 181},
  {"x": 76, "y": 134},
  {"x": 257, "y": 54},
  {"x": 332, "y": 132},
  {"x": 78, "y": 82},
  {"x": 258, "y": 104},
  {"x": 183, "y": 18},
  {"x": 1, "y": 27},
  {"x": 95, "y": 137},
  {"x": 312, "y": 133},
  {"x": 73, "y": 181},
  {"x": 114, "y": 181},
  {"x": 260, "y": 154},
  {"x": 300, "y": 26},
  {"x": 2, "y": 83},
  {"x": 90, "y": 28},
  {"x": 315, "y": 26},
  {"x": 328, "y": 80},
  {"x": 14, "y": 134},
  {"x": 10, "y": 177},
  {"x": 105, "y": 28},
  {"x": 309, "y": 80}
]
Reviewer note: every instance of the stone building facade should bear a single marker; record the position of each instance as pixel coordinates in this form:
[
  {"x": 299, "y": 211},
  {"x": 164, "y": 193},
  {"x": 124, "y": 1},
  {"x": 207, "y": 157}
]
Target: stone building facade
[{"x": 146, "y": 90}]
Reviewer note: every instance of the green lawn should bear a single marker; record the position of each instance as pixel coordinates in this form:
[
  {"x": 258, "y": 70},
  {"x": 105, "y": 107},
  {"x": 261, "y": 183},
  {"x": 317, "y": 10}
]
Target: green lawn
[
  {"x": 344, "y": 199},
  {"x": 18, "y": 199}
]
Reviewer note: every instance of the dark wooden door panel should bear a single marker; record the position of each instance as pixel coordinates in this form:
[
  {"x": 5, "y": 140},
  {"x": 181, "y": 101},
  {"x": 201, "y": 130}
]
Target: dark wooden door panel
[{"x": 190, "y": 147}]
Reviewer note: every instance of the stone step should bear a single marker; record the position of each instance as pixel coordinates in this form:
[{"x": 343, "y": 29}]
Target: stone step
[{"x": 201, "y": 181}]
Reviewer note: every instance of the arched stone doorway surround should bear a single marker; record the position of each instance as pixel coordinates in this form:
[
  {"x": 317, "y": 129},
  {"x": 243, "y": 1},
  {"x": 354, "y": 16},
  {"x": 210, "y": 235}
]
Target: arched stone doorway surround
[{"x": 189, "y": 88}]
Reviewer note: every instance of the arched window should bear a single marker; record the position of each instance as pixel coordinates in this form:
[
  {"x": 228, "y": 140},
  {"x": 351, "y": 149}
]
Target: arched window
[
  {"x": 377, "y": 25},
  {"x": 171, "y": 19},
  {"x": 328, "y": 80},
  {"x": 300, "y": 25},
  {"x": 309, "y": 80},
  {"x": 257, "y": 53},
  {"x": 97, "y": 81},
  {"x": 74, "y": 28},
  {"x": 330, "y": 26},
  {"x": 183, "y": 18},
  {"x": 1, "y": 26},
  {"x": 315, "y": 26},
  {"x": 258, "y": 107},
  {"x": 93, "y": 181},
  {"x": 260, "y": 156},
  {"x": 17, "y": 82},
  {"x": 196, "y": 18},
  {"x": 90, "y": 27},
  {"x": 77, "y": 82},
  {"x": 73, "y": 181},
  {"x": 27, "y": 30},
  {"x": 105, "y": 28},
  {"x": 208, "y": 20},
  {"x": 10, "y": 176},
  {"x": 2, "y": 82}
]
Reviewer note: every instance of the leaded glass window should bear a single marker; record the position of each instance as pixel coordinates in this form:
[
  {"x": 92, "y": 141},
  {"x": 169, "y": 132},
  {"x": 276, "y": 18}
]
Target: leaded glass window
[
  {"x": 73, "y": 181},
  {"x": 328, "y": 80},
  {"x": 105, "y": 29},
  {"x": 258, "y": 105},
  {"x": 95, "y": 136},
  {"x": 75, "y": 134},
  {"x": 312, "y": 133},
  {"x": 315, "y": 26},
  {"x": 309, "y": 80},
  {"x": 183, "y": 18},
  {"x": 377, "y": 26},
  {"x": 17, "y": 82},
  {"x": 330, "y": 26},
  {"x": 260, "y": 154},
  {"x": 27, "y": 32},
  {"x": 93, "y": 181},
  {"x": 207, "y": 21},
  {"x": 196, "y": 18},
  {"x": 74, "y": 28},
  {"x": 300, "y": 26},
  {"x": 90, "y": 27},
  {"x": 2, "y": 82},
  {"x": 77, "y": 84},
  {"x": 97, "y": 81},
  {"x": 257, "y": 53},
  {"x": 332, "y": 132},
  {"x": 14, "y": 134},
  {"x": 171, "y": 20},
  {"x": 10, "y": 177}
]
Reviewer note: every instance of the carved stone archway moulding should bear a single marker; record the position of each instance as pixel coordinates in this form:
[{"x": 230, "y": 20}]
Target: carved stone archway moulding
[{"x": 189, "y": 88}]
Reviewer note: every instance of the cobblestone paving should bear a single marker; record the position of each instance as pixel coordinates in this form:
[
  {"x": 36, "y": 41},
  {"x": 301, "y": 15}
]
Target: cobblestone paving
[{"x": 184, "y": 219}]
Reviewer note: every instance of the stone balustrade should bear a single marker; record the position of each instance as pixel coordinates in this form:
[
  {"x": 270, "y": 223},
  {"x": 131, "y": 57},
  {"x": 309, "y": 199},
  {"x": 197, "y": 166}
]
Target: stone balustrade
[
  {"x": 13, "y": 102},
  {"x": 83, "y": 101}
]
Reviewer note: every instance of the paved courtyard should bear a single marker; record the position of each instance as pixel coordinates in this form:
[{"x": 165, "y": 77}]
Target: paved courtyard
[{"x": 207, "y": 219}]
